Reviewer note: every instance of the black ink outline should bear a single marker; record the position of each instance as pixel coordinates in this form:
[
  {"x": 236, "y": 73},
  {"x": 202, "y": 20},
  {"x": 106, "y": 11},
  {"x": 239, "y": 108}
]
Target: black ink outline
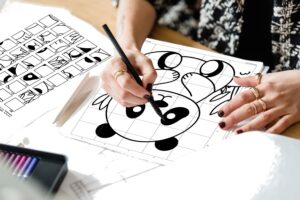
[{"x": 105, "y": 99}]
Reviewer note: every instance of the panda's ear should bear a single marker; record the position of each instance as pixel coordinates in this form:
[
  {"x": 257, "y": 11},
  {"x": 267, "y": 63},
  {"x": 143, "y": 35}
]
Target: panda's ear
[{"x": 102, "y": 101}]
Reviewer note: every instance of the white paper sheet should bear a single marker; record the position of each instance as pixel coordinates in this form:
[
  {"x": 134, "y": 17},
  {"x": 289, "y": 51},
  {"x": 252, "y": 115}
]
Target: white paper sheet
[
  {"x": 193, "y": 81},
  {"x": 44, "y": 52},
  {"x": 96, "y": 162},
  {"x": 190, "y": 88},
  {"x": 251, "y": 166}
]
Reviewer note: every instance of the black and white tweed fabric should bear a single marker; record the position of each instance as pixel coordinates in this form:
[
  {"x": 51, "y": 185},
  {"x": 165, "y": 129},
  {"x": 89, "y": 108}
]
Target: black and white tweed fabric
[{"x": 218, "y": 24}]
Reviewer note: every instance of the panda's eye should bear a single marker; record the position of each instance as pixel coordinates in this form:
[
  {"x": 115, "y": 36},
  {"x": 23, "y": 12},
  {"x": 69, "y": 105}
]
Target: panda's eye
[
  {"x": 211, "y": 68},
  {"x": 174, "y": 115},
  {"x": 136, "y": 111}
]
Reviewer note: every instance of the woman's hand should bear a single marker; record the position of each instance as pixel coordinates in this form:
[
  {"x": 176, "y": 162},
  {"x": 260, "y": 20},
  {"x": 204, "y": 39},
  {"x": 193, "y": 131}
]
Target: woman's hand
[
  {"x": 120, "y": 85},
  {"x": 135, "y": 20},
  {"x": 279, "y": 91}
]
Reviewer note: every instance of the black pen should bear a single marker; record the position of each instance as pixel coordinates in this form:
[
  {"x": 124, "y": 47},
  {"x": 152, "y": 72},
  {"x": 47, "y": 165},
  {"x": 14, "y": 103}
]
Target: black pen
[{"x": 131, "y": 69}]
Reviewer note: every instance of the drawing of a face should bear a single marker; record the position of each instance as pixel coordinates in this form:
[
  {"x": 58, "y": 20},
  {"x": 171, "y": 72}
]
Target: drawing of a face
[{"x": 134, "y": 124}]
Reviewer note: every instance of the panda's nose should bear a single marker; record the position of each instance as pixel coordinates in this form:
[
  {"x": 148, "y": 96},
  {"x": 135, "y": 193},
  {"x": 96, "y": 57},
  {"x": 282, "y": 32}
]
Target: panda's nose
[{"x": 198, "y": 87}]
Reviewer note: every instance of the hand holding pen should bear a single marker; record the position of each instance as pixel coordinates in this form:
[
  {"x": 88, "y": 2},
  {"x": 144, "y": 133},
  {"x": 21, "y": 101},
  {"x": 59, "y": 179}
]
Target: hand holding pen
[
  {"x": 121, "y": 86},
  {"x": 124, "y": 83}
]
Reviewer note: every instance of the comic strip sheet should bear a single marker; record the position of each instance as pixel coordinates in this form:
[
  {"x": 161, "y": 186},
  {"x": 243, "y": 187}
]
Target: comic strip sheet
[{"x": 41, "y": 57}]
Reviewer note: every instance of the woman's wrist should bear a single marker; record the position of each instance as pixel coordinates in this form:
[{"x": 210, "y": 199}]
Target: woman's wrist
[{"x": 129, "y": 43}]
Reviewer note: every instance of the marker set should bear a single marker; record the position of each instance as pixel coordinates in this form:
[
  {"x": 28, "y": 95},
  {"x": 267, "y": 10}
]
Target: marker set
[
  {"x": 20, "y": 165},
  {"x": 45, "y": 168}
]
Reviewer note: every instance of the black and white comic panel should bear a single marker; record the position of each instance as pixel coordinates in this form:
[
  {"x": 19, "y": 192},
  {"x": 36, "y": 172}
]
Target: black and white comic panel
[{"x": 42, "y": 56}]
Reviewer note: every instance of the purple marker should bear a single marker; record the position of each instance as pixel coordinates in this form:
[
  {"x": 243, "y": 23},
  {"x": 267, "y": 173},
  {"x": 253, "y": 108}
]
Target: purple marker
[
  {"x": 30, "y": 167},
  {"x": 9, "y": 160},
  {"x": 20, "y": 164},
  {"x": 24, "y": 167}
]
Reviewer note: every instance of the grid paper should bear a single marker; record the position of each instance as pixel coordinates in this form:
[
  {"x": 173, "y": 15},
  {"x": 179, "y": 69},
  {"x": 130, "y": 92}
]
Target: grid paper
[{"x": 191, "y": 87}]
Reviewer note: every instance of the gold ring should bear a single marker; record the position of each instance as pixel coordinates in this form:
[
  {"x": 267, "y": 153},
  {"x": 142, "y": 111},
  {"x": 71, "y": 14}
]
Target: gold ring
[
  {"x": 253, "y": 107},
  {"x": 119, "y": 73},
  {"x": 263, "y": 104},
  {"x": 255, "y": 92},
  {"x": 258, "y": 77}
]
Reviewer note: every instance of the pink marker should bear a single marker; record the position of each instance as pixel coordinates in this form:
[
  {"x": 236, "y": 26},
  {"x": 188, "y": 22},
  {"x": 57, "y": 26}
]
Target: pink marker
[
  {"x": 19, "y": 165},
  {"x": 14, "y": 162}
]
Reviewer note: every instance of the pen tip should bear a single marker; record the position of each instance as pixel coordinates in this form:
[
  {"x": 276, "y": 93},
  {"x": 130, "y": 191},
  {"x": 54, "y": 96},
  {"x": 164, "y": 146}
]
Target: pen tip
[{"x": 162, "y": 117}]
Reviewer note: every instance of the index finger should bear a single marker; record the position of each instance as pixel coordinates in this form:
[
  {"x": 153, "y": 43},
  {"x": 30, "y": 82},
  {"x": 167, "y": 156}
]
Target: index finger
[{"x": 249, "y": 81}]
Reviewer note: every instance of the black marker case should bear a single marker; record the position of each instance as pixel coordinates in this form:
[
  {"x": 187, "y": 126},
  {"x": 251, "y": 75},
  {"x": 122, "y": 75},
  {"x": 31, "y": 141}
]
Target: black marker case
[{"x": 50, "y": 170}]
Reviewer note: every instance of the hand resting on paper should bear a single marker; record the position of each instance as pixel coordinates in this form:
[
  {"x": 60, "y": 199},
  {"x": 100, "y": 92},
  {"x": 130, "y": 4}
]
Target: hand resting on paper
[{"x": 276, "y": 106}]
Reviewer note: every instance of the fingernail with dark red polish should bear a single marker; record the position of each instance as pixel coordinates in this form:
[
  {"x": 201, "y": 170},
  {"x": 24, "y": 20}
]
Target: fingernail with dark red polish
[
  {"x": 222, "y": 124},
  {"x": 149, "y": 87},
  {"x": 236, "y": 77},
  {"x": 239, "y": 131},
  {"x": 147, "y": 97},
  {"x": 220, "y": 113}
]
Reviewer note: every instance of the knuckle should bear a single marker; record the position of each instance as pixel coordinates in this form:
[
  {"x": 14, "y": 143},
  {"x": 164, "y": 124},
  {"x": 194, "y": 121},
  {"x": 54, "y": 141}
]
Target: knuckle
[
  {"x": 131, "y": 56},
  {"x": 249, "y": 110},
  {"x": 232, "y": 119},
  {"x": 296, "y": 109},
  {"x": 113, "y": 61},
  {"x": 273, "y": 98},
  {"x": 285, "y": 122},
  {"x": 227, "y": 108},
  {"x": 277, "y": 97},
  {"x": 124, "y": 82},
  {"x": 244, "y": 97},
  {"x": 269, "y": 85},
  {"x": 265, "y": 116},
  {"x": 148, "y": 60},
  {"x": 117, "y": 62},
  {"x": 154, "y": 74}
]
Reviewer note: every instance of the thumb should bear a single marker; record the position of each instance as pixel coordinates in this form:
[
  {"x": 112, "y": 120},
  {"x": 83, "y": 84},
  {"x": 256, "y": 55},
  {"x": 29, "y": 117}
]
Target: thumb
[{"x": 249, "y": 81}]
